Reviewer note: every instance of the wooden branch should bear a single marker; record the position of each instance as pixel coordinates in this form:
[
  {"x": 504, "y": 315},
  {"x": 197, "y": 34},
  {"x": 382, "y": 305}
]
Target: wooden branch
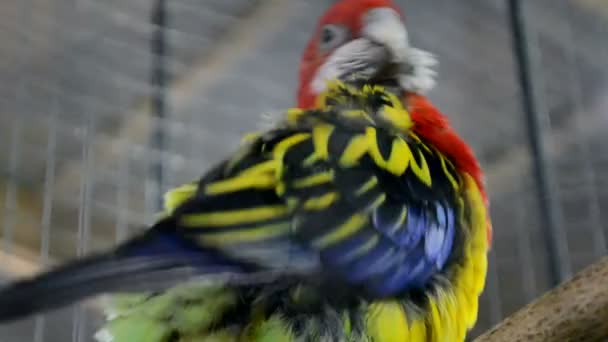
[{"x": 574, "y": 311}]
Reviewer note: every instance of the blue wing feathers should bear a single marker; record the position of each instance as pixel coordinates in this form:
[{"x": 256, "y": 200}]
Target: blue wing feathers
[
  {"x": 451, "y": 236},
  {"x": 348, "y": 250},
  {"x": 402, "y": 277},
  {"x": 376, "y": 261}
]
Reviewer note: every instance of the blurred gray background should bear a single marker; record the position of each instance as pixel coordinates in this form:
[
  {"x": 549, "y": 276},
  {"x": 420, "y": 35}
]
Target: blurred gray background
[{"x": 76, "y": 123}]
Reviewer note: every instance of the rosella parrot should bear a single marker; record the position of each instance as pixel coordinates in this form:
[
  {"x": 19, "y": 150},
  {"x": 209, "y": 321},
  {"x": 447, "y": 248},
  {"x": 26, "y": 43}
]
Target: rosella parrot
[{"x": 359, "y": 216}]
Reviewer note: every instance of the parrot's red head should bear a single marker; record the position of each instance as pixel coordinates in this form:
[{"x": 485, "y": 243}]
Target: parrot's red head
[{"x": 366, "y": 38}]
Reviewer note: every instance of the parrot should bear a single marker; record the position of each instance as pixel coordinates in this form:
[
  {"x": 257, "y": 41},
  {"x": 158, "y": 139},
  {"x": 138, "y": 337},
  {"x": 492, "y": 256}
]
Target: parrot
[{"x": 358, "y": 215}]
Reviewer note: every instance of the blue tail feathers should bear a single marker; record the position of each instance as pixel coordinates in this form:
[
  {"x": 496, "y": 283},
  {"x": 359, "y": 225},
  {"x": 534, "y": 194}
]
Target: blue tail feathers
[{"x": 157, "y": 258}]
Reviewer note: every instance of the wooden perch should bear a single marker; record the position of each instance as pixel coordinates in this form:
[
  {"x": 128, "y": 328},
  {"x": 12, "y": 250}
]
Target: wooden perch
[{"x": 574, "y": 311}]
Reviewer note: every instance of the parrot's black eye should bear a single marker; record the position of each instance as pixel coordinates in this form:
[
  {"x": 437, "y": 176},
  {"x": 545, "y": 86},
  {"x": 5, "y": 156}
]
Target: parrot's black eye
[{"x": 332, "y": 36}]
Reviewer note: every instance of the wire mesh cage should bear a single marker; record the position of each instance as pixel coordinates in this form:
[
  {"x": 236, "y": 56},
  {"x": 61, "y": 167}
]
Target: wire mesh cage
[{"x": 87, "y": 147}]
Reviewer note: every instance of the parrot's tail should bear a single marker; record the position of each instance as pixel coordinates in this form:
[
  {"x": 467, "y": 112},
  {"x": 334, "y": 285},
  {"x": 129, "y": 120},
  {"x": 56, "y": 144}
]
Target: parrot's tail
[{"x": 155, "y": 260}]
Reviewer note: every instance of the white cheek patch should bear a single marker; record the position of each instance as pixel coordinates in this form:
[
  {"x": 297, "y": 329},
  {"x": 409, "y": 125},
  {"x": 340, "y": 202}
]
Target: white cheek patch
[
  {"x": 360, "y": 56},
  {"x": 384, "y": 26},
  {"x": 420, "y": 78},
  {"x": 329, "y": 71},
  {"x": 416, "y": 72},
  {"x": 385, "y": 40}
]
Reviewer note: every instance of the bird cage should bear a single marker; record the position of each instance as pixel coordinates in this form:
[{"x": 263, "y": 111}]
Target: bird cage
[{"x": 106, "y": 104}]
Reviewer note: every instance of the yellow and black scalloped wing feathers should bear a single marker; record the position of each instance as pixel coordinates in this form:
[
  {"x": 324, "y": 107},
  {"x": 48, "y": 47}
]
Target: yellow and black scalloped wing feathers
[
  {"x": 349, "y": 194},
  {"x": 345, "y": 188}
]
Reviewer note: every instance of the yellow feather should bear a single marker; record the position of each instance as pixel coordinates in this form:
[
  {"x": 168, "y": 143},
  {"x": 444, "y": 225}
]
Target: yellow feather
[
  {"x": 401, "y": 220},
  {"x": 356, "y": 148},
  {"x": 333, "y": 91},
  {"x": 479, "y": 244},
  {"x": 175, "y": 197},
  {"x": 316, "y": 179},
  {"x": 367, "y": 186},
  {"x": 479, "y": 278},
  {"x": 460, "y": 276},
  {"x": 417, "y": 138},
  {"x": 473, "y": 311},
  {"x": 448, "y": 174},
  {"x": 387, "y": 322},
  {"x": 465, "y": 284},
  {"x": 462, "y": 307},
  {"x": 346, "y": 324},
  {"x": 357, "y": 113},
  {"x": 321, "y": 202},
  {"x": 239, "y": 183},
  {"x": 246, "y": 235},
  {"x": 469, "y": 278},
  {"x": 417, "y": 330},
  {"x": 395, "y": 101},
  {"x": 479, "y": 238},
  {"x": 274, "y": 328},
  {"x": 378, "y": 201},
  {"x": 399, "y": 158},
  {"x": 467, "y": 296},
  {"x": 468, "y": 302},
  {"x": 374, "y": 150},
  {"x": 449, "y": 318},
  {"x": 250, "y": 137},
  {"x": 320, "y": 136},
  {"x": 233, "y": 217},
  {"x": 478, "y": 211},
  {"x": 281, "y": 148},
  {"x": 280, "y": 188},
  {"x": 348, "y": 228},
  {"x": 310, "y": 160},
  {"x": 269, "y": 166},
  {"x": 421, "y": 171},
  {"x": 435, "y": 323},
  {"x": 293, "y": 114},
  {"x": 397, "y": 116}
]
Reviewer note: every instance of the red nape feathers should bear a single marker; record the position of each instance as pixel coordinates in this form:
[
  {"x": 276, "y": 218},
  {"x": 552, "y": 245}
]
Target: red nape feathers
[{"x": 350, "y": 12}]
